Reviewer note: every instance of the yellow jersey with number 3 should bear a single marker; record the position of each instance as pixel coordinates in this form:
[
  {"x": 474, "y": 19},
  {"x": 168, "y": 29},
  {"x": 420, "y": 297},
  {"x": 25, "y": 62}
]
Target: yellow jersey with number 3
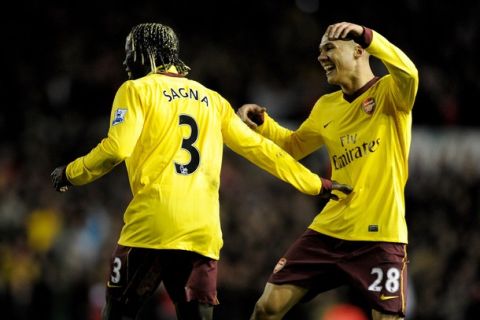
[
  {"x": 368, "y": 140},
  {"x": 170, "y": 132}
]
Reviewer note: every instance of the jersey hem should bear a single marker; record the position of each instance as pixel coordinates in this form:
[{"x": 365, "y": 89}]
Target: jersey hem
[
  {"x": 379, "y": 239},
  {"x": 184, "y": 248}
]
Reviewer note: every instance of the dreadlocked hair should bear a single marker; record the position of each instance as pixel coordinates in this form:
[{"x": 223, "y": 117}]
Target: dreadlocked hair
[{"x": 159, "y": 44}]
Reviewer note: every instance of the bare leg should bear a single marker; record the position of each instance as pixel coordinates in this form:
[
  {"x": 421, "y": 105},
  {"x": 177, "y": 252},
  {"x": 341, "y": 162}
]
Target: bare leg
[
  {"x": 276, "y": 301},
  {"x": 114, "y": 310},
  {"x": 194, "y": 310},
  {"x": 381, "y": 316}
]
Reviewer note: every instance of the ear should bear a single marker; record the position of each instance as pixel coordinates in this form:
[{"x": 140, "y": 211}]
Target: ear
[{"x": 358, "y": 51}]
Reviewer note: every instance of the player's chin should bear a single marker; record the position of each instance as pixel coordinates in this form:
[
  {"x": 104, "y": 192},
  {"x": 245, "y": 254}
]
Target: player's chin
[{"x": 332, "y": 79}]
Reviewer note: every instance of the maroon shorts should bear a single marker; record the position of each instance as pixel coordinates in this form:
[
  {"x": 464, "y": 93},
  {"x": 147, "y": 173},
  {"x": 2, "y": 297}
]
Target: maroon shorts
[
  {"x": 135, "y": 274},
  {"x": 320, "y": 263}
]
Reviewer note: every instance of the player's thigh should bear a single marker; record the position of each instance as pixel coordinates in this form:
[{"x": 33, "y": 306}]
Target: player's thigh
[
  {"x": 191, "y": 277},
  {"x": 278, "y": 299},
  {"x": 376, "y": 315},
  {"x": 134, "y": 275},
  {"x": 311, "y": 263},
  {"x": 380, "y": 272}
]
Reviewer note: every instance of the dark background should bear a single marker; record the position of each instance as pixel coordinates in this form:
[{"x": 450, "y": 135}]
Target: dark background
[{"x": 62, "y": 64}]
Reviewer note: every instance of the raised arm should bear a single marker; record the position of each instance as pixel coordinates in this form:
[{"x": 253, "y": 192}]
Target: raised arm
[
  {"x": 298, "y": 143},
  {"x": 400, "y": 67},
  {"x": 270, "y": 157}
]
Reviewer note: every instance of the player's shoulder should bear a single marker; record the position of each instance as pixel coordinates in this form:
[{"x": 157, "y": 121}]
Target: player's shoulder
[
  {"x": 329, "y": 97},
  {"x": 384, "y": 83},
  {"x": 134, "y": 84},
  {"x": 128, "y": 87},
  {"x": 215, "y": 95},
  {"x": 383, "y": 78},
  {"x": 207, "y": 89}
]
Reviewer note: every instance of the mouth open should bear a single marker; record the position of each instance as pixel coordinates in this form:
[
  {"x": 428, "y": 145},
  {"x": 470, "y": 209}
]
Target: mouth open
[{"x": 329, "y": 68}]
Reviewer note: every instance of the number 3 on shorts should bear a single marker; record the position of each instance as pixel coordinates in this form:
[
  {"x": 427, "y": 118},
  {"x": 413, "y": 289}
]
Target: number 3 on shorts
[
  {"x": 117, "y": 265},
  {"x": 392, "y": 283}
]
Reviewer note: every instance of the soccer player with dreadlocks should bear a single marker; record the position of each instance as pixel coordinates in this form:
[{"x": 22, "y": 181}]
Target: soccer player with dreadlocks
[{"x": 170, "y": 131}]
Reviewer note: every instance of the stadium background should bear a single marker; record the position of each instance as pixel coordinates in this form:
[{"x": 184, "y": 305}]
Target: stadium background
[{"x": 62, "y": 64}]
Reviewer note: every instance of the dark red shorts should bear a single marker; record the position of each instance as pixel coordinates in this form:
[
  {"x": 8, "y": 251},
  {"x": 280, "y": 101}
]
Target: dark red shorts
[
  {"x": 135, "y": 274},
  {"x": 320, "y": 263}
]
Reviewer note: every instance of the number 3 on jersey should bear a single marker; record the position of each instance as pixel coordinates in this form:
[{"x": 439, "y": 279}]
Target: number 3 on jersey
[{"x": 187, "y": 144}]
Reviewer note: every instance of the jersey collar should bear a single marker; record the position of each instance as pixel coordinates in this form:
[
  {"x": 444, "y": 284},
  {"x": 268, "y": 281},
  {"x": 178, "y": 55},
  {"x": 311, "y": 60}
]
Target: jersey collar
[
  {"x": 356, "y": 94},
  {"x": 171, "y": 72}
]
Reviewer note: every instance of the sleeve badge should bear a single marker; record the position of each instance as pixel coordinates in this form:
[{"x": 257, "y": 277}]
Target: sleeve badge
[{"x": 119, "y": 116}]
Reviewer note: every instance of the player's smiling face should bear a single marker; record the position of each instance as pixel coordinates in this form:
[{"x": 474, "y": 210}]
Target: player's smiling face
[{"x": 337, "y": 59}]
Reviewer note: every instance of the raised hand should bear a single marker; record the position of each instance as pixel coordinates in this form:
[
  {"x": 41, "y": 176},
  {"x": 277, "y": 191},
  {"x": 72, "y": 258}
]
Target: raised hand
[
  {"x": 343, "y": 30},
  {"x": 252, "y": 114}
]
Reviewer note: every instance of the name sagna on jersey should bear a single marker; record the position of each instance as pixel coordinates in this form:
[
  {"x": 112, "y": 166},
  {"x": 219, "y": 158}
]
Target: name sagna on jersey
[{"x": 185, "y": 93}]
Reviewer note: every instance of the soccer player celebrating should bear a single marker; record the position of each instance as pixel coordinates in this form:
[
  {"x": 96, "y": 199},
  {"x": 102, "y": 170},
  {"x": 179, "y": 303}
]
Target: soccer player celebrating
[
  {"x": 170, "y": 133},
  {"x": 359, "y": 240}
]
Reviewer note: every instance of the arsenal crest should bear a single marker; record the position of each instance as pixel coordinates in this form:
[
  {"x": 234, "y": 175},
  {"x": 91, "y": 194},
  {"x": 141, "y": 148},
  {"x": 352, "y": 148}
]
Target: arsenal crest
[{"x": 368, "y": 105}]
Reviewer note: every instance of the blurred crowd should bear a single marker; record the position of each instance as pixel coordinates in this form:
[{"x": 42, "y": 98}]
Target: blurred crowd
[{"x": 63, "y": 68}]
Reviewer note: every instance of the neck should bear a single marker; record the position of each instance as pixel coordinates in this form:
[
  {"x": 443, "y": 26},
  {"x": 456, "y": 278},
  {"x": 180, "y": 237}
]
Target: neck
[{"x": 356, "y": 82}]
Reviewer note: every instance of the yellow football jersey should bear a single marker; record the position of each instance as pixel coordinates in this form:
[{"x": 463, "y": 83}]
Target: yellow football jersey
[
  {"x": 368, "y": 141},
  {"x": 170, "y": 132}
]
